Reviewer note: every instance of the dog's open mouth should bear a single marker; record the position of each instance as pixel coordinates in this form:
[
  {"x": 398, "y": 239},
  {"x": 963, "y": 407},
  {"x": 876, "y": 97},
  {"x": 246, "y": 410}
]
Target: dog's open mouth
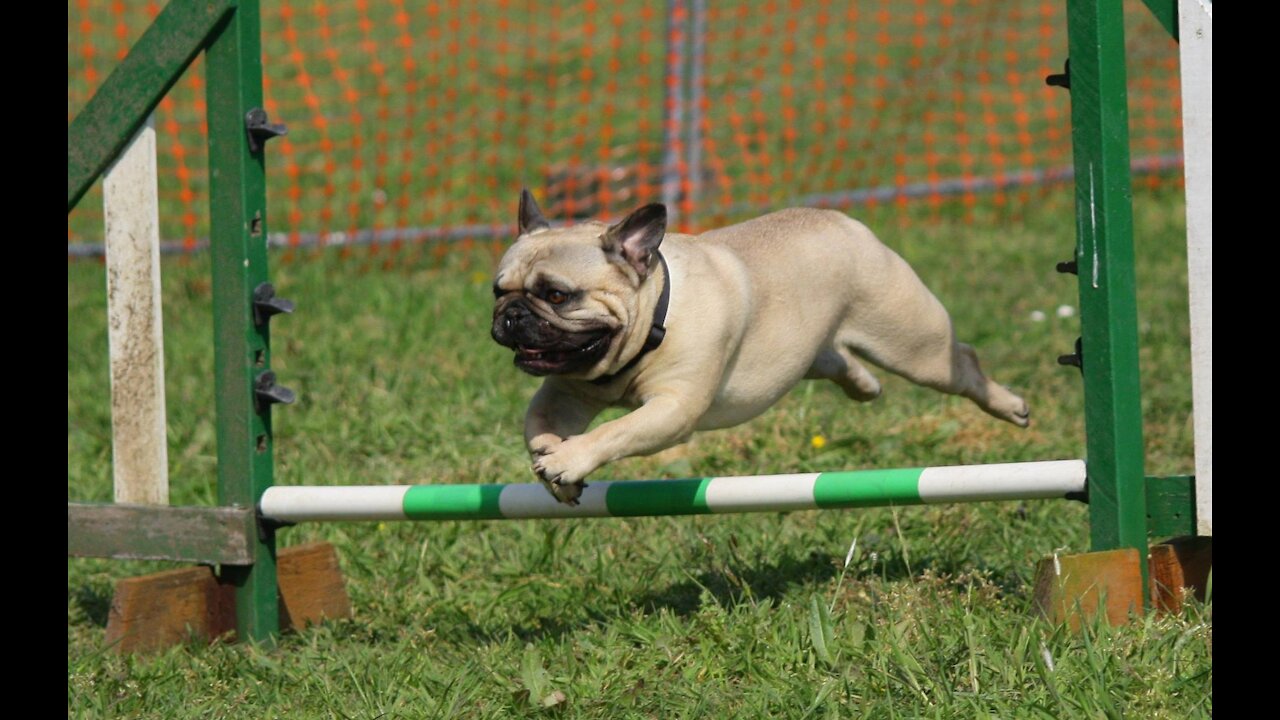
[{"x": 563, "y": 357}]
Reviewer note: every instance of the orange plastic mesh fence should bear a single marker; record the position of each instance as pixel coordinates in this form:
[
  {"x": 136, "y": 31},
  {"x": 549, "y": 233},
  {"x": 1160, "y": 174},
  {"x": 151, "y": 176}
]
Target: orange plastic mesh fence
[{"x": 420, "y": 121}]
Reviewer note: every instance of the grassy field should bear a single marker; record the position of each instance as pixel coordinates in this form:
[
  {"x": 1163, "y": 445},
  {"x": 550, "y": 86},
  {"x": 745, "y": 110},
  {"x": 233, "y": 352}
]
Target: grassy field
[{"x": 748, "y": 616}]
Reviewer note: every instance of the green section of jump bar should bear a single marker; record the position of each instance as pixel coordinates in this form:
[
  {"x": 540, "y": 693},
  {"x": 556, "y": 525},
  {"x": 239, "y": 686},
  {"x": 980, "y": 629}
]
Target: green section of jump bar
[
  {"x": 638, "y": 498},
  {"x": 452, "y": 502},
  {"x": 868, "y": 488}
]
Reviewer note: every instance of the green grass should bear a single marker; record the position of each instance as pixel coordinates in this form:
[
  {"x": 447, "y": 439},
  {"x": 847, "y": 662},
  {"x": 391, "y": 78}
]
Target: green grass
[{"x": 748, "y": 616}]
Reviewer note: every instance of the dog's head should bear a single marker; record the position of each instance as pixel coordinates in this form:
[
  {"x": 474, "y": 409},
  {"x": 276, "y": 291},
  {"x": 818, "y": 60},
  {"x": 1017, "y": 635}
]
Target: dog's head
[{"x": 569, "y": 300}]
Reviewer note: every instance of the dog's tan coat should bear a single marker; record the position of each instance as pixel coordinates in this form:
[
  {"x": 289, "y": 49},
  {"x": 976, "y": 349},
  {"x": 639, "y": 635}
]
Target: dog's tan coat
[{"x": 754, "y": 308}]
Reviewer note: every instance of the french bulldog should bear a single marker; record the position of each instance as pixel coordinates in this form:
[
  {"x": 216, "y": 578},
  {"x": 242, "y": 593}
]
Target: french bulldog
[{"x": 708, "y": 331}]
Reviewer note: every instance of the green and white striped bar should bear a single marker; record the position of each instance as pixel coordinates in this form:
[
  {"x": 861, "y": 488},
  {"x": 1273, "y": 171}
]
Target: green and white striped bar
[{"x": 696, "y": 496}]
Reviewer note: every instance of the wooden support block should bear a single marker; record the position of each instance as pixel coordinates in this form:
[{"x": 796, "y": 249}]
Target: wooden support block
[
  {"x": 311, "y": 586},
  {"x": 1177, "y": 566},
  {"x": 1069, "y": 586},
  {"x": 167, "y": 608},
  {"x": 156, "y": 611}
]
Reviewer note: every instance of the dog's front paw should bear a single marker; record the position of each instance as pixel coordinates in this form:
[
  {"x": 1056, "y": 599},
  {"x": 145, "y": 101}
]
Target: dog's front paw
[
  {"x": 566, "y": 493},
  {"x": 562, "y": 469},
  {"x": 541, "y": 444}
]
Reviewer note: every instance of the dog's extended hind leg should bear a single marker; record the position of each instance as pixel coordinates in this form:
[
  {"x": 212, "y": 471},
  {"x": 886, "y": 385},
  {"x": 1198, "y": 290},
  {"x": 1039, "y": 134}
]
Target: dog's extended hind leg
[
  {"x": 925, "y": 351},
  {"x": 839, "y": 366}
]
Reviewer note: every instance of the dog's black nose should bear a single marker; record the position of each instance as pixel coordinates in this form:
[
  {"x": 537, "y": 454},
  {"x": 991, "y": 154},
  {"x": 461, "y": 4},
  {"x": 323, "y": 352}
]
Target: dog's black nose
[{"x": 508, "y": 322}]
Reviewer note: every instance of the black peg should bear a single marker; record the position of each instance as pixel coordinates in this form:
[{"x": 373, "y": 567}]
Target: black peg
[
  {"x": 266, "y": 304},
  {"x": 1063, "y": 79},
  {"x": 267, "y": 393},
  {"x": 1069, "y": 266},
  {"x": 1075, "y": 359},
  {"x": 261, "y": 129}
]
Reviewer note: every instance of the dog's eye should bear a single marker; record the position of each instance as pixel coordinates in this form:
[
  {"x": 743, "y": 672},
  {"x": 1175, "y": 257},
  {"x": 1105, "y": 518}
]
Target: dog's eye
[{"x": 556, "y": 297}]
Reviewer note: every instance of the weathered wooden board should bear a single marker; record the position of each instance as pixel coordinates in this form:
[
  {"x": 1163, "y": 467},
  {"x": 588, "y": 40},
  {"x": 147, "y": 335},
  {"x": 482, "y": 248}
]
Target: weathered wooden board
[
  {"x": 1076, "y": 588},
  {"x": 164, "y": 609},
  {"x": 1178, "y": 567},
  {"x": 131, "y": 218},
  {"x": 215, "y": 535}
]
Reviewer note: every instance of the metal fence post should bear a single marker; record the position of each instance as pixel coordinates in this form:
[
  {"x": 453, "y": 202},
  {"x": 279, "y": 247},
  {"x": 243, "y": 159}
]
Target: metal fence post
[
  {"x": 1105, "y": 261},
  {"x": 673, "y": 112},
  {"x": 697, "y": 98},
  {"x": 241, "y": 346}
]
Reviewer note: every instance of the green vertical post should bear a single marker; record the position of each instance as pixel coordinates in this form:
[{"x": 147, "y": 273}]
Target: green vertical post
[
  {"x": 1105, "y": 258},
  {"x": 241, "y": 347}
]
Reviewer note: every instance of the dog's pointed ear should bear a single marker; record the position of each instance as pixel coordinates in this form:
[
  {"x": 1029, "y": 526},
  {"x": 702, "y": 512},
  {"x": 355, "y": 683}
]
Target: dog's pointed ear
[
  {"x": 636, "y": 239},
  {"x": 530, "y": 218}
]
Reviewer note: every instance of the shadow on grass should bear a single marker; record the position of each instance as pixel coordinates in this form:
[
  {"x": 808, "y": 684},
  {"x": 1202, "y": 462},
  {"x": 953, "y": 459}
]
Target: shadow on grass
[
  {"x": 731, "y": 586},
  {"x": 728, "y": 586},
  {"x": 94, "y": 601}
]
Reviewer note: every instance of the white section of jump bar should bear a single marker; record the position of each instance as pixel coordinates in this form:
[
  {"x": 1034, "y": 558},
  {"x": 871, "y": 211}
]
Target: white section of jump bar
[
  {"x": 761, "y": 493},
  {"x": 1006, "y": 481},
  {"x": 531, "y": 500},
  {"x": 348, "y": 502}
]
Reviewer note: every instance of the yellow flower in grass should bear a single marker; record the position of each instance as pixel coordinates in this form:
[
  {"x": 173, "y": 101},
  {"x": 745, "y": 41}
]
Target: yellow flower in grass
[{"x": 818, "y": 442}]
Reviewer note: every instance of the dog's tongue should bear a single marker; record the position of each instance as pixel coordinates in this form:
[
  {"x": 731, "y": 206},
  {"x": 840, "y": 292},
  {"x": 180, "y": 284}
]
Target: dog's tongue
[{"x": 538, "y": 352}]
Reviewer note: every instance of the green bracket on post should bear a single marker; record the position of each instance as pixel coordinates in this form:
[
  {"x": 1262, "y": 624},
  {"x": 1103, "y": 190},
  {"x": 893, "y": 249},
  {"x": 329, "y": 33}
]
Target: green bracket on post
[
  {"x": 1105, "y": 260},
  {"x": 1171, "y": 506},
  {"x": 1166, "y": 12}
]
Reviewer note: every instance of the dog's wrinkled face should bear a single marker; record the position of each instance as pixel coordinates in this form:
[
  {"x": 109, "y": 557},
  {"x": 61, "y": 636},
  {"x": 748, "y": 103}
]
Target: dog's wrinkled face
[{"x": 566, "y": 298}]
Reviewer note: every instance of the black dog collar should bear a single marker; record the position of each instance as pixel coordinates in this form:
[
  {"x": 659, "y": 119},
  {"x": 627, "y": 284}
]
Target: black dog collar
[{"x": 657, "y": 331}]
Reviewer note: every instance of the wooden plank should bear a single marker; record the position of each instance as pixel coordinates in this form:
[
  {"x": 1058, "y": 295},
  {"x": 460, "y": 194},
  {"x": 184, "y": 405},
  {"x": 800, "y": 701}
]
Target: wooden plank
[
  {"x": 140, "y": 532},
  {"x": 163, "y": 609},
  {"x": 1180, "y": 566},
  {"x": 1076, "y": 588},
  {"x": 139, "y": 450},
  {"x": 311, "y": 585},
  {"x": 1195, "y": 19}
]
